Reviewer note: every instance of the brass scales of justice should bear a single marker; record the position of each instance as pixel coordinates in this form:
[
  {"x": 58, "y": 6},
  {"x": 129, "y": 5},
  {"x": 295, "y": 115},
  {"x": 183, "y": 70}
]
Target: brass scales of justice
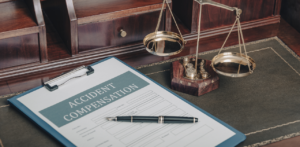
[{"x": 198, "y": 76}]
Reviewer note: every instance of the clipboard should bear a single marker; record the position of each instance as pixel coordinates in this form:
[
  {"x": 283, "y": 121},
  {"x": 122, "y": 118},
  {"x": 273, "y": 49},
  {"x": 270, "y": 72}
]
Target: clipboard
[{"x": 232, "y": 141}]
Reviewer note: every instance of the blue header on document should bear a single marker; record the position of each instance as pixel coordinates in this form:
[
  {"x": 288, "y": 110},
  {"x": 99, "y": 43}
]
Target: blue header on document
[{"x": 93, "y": 99}]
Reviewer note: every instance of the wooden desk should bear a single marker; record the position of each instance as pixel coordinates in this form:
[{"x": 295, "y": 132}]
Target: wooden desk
[
  {"x": 57, "y": 51},
  {"x": 286, "y": 33}
]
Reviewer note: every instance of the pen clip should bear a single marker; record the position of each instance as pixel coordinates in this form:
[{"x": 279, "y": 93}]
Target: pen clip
[{"x": 48, "y": 86}]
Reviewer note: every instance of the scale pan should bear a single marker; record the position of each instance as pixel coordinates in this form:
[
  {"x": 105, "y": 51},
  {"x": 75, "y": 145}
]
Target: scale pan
[
  {"x": 233, "y": 64},
  {"x": 164, "y": 43}
]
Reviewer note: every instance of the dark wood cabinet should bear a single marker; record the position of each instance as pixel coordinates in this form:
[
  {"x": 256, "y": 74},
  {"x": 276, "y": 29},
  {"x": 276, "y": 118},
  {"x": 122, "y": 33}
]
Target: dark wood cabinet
[
  {"x": 291, "y": 12},
  {"x": 213, "y": 17},
  {"x": 19, "y": 50},
  {"x": 22, "y": 34},
  {"x": 25, "y": 50},
  {"x": 80, "y": 32},
  {"x": 92, "y": 25},
  {"x": 108, "y": 33}
]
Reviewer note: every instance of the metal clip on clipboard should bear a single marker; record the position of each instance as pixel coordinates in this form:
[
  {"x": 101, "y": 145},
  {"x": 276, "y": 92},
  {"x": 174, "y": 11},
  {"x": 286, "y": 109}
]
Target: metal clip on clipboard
[{"x": 63, "y": 79}]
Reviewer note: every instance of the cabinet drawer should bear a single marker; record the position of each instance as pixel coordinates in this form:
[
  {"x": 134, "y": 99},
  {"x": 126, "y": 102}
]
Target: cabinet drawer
[{"x": 100, "y": 35}]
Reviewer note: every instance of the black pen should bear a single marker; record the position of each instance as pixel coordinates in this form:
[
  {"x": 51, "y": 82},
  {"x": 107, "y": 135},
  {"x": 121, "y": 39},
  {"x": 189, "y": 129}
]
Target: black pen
[{"x": 154, "y": 119}]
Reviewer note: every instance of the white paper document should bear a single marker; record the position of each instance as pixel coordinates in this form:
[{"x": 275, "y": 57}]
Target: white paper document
[{"x": 79, "y": 108}]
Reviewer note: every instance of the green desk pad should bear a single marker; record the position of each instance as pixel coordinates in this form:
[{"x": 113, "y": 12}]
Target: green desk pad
[{"x": 265, "y": 105}]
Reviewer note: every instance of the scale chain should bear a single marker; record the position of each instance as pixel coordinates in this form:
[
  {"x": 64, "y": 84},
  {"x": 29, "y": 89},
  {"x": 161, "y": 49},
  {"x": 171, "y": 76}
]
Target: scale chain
[
  {"x": 240, "y": 37},
  {"x": 160, "y": 16},
  {"x": 240, "y": 46},
  {"x": 227, "y": 36},
  {"x": 175, "y": 22}
]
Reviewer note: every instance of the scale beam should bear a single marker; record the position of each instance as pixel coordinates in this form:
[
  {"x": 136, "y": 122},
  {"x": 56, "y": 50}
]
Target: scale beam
[{"x": 210, "y": 2}]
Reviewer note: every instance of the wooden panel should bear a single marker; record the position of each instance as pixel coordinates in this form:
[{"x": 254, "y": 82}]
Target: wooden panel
[
  {"x": 35, "y": 7},
  {"x": 137, "y": 27},
  {"x": 252, "y": 9},
  {"x": 213, "y": 17},
  {"x": 184, "y": 11},
  {"x": 95, "y": 35},
  {"x": 19, "y": 51},
  {"x": 24, "y": 17},
  {"x": 226, "y": 29},
  {"x": 277, "y": 7},
  {"x": 85, "y": 8},
  {"x": 43, "y": 44},
  {"x": 15, "y": 15},
  {"x": 119, "y": 14},
  {"x": 56, "y": 47},
  {"x": 289, "y": 36},
  {"x": 136, "y": 55},
  {"x": 63, "y": 19},
  {"x": 36, "y": 10},
  {"x": 107, "y": 34},
  {"x": 290, "y": 11},
  {"x": 19, "y": 32}
]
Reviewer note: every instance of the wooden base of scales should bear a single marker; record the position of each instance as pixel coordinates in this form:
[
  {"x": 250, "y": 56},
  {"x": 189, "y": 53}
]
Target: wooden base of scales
[{"x": 198, "y": 86}]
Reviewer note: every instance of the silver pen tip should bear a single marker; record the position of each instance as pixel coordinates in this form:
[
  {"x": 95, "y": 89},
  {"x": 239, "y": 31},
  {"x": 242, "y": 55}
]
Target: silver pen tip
[{"x": 111, "y": 118}]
